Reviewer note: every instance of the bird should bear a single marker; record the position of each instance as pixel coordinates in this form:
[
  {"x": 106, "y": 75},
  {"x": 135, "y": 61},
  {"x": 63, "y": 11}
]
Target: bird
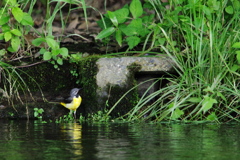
[{"x": 73, "y": 102}]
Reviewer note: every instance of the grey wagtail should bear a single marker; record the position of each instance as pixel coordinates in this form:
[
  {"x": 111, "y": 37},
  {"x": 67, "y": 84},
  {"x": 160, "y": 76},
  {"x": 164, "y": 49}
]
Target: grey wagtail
[{"x": 73, "y": 102}]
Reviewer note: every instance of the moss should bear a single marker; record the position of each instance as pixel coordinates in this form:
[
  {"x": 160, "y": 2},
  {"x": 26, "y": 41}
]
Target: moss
[
  {"x": 134, "y": 67},
  {"x": 87, "y": 69},
  {"x": 82, "y": 74},
  {"x": 116, "y": 92},
  {"x": 48, "y": 78},
  {"x": 58, "y": 82},
  {"x": 126, "y": 104}
]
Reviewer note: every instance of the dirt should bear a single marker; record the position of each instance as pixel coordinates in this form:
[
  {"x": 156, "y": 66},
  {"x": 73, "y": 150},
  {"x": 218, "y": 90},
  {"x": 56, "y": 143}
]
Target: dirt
[{"x": 77, "y": 29}]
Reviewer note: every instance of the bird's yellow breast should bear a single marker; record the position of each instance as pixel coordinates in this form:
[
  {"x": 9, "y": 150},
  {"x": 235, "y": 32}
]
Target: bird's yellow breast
[{"x": 74, "y": 104}]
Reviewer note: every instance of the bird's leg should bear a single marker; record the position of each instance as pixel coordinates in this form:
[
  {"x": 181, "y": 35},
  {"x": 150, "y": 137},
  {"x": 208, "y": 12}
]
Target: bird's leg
[
  {"x": 71, "y": 113},
  {"x": 75, "y": 114}
]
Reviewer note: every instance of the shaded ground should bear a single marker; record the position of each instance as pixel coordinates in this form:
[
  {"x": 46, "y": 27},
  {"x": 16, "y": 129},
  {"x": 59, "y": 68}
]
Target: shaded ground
[{"x": 77, "y": 29}]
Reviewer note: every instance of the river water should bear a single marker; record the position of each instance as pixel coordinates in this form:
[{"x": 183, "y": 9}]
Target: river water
[{"x": 29, "y": 140}]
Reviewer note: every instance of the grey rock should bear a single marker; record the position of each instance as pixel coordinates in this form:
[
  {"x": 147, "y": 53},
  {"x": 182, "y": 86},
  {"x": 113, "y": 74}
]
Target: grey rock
[{"x": 115, "y": 71}]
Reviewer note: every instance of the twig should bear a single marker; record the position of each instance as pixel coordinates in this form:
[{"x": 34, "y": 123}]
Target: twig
[{"x": 30, "y": 65}]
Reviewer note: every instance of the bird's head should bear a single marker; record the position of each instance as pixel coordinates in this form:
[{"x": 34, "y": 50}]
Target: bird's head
[{"x": 74, "y": 92}]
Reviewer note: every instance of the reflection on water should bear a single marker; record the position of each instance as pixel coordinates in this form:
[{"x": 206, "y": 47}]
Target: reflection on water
[
  {"x": 72, "y": 133},
  {"x": 23, "y": 140}
]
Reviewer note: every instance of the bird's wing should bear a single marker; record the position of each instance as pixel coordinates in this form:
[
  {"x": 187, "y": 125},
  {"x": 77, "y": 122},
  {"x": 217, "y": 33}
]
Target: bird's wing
[{"x": 68, "y": 100}]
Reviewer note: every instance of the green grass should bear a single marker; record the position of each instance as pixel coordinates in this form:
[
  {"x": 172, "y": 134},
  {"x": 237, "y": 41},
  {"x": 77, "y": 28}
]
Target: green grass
[
  {"x": 14, "y": 89},
  {"x": 199, "y": 40}
]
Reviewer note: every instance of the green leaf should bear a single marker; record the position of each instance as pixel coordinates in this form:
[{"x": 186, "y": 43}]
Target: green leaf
[
  {"x": 148, "y": 19},
  {"x": 10, "y": 49},
  {"x": 134, "y": 28},
  {"x": 107, "y": 23},
  {"x": 143, "y": 32},
  {"x": 235, "y": 67},
  {"x": 137, "y": 23},
  {"x": 60, "y": 61},
  {"x": 194, "y": 99},
  {"x": 161, "y": 41},
  {"x": 106, "y": 33},
  {"x": 76, "y": 57},
  {"x": 113, "y": 18},
  {"x": 35, "y": 114},
  {"x": 207, "y": 11},
  {"x": 128, "y": 30},
  {"x": 236, "y": 5},
  {"x": 1, "y": 36},
  {"x": 16, "y": 32},
  {"x": 212, "y": 117},
  {"x": 208, "y": 89},
  {"x": 208, "y": 103},
  {"x": 27, "y": 19},
  {"x": 3, "y": 52},
  {"x": 55, "y": 52},
  {"x": 229, "y": 9},
  {"x": 47, "y": 56},
  {"x": 119, "y": 37},
  {"x": 5, "y": 28},
  {"x": 17, "y": 13},
  {"x": 136, "y": 8},
  {"x": 219, "y": 94},
  {"x": 42, "y": 51},
  {"x": 12, "y": 2},
  {"x": 177, "y": 114},
  {"x": 198, "y": 22},
  {"x": 52, "y": 43},
  {"x": 40, "y": 110},
  {"x": 55, "y": 66},
  {"x": 4, "y": 19},
  {"x": 214, "y": 4},
  {"x": 7, "y": 36},
  {"x": 236, "y": 45},
  {"x": 122, "y": 15},
  {"x": 133, "y": 41},
  {"x": 15, "y": 43},
  {"x": 64, "y": 51},
  {"x": 238, "y": 57},
  {"x": 171, "y": 105},
  {"x": 38, "y": 41}
]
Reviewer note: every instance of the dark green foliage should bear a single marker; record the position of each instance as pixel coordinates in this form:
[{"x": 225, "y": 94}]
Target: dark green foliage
[
  {"x": 87, "y": 70},
  {"x": 50, "y": 79}
]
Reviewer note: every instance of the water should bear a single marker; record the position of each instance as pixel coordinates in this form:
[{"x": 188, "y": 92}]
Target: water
[{"x": 23, "y": 140}]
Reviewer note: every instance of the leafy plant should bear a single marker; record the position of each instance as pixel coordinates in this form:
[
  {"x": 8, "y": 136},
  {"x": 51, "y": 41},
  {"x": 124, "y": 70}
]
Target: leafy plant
[
  {"x": 38, "y": 113},
  {"x": 12, "y": 83},
  {"x": 126, "y": 23},
  {"x": 236, "y": 66},
  {"x": 54, "y": 52},
  {"x": 11, "y": 114},
  {"x": 66, "y": 119},
  {"x": 99, "y": 116},
  {"x": 14, "y": 23},
  {"x": 200, "y": 37}
]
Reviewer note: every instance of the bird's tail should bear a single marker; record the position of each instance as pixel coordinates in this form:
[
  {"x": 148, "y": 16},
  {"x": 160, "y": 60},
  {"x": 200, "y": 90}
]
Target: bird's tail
[{"x": 64, "y": 104}]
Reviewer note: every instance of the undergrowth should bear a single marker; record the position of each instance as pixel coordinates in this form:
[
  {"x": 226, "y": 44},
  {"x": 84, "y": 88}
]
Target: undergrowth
[{"x": 200, "y": 37}]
